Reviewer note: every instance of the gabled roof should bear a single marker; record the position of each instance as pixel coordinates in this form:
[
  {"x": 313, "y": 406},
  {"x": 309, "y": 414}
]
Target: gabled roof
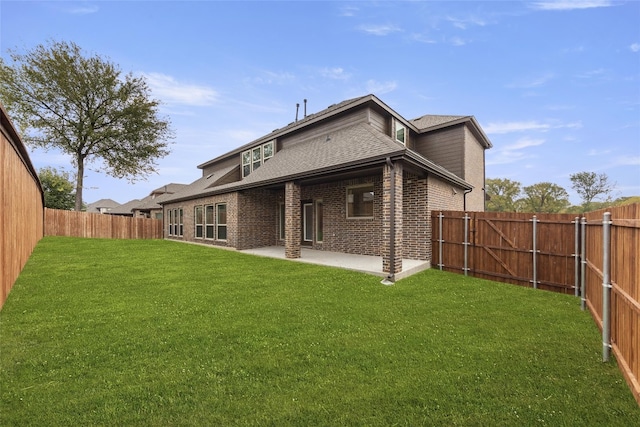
[
  {"x": 102, "y": 203},
  {"x": 125, "y": 209},
  {"x": 340, "y": 150},
  {"x": 430, "y": 122},
  {"x": 168, "y": 188},
  {"x": 327, "y": 113}
]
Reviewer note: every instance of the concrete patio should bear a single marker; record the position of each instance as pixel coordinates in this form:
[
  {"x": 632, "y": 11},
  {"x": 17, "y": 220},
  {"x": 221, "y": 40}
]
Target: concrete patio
[{"x": 362, "y": 263}]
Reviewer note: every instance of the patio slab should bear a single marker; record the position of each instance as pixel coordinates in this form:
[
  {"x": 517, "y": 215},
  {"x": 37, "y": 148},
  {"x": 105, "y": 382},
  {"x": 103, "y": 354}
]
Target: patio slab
[{"x": 363, "y": 263}]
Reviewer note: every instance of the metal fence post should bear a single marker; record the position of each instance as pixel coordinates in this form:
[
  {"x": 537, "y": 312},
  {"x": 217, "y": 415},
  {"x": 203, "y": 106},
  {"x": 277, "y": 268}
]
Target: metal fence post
[
  {"x": 440, "y": 240},
  {"x": 576, "y": 256},
  {"x": 583, "y": 266},
  {"x": 535, "y": 250},
  {"x": 466, "y": 244},
  {"x": 606, "y": 286}
]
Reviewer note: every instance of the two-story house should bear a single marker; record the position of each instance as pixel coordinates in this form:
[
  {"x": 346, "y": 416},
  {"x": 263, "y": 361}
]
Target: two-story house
[{"x": 354, "y": 178}]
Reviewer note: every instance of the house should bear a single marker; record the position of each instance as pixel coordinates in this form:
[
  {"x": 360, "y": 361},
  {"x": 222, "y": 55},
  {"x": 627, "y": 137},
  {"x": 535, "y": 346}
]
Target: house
[
  {"x": 355, "y": 178},
  {"x": 102, "y": 206},
  {"x": 148, "y": 207}
]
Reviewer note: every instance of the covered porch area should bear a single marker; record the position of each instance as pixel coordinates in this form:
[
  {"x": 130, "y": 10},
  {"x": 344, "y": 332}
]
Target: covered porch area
[{"x": 362, "y": 263}]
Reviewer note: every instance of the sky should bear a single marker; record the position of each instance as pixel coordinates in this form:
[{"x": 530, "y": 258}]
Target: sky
[{"x": 554, "y": 84}]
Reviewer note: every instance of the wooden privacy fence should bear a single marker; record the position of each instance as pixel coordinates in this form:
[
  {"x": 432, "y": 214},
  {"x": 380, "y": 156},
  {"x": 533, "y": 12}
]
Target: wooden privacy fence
[
  {"x": 84, "y": 224},
  {"x": 595, "y": 256}
]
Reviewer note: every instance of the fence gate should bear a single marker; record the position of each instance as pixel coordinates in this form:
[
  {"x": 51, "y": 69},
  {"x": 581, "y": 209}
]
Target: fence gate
[{"x": 523, "y": 249}]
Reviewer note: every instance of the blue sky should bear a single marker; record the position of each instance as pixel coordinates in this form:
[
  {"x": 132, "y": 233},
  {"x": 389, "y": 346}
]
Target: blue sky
[{"x": 554, "y": 84}]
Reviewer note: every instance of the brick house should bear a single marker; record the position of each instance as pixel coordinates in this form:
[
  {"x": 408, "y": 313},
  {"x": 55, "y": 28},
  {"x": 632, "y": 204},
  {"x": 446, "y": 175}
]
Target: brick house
[{"x": 354, "y": 178}]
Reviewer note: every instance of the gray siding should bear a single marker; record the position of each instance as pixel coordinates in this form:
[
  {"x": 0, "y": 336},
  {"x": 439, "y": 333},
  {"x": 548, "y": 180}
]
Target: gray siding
[{"x": 444, "y": 147}]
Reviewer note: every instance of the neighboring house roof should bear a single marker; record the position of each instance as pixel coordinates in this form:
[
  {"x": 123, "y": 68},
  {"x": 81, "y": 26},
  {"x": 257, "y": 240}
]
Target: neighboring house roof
[
  {"x": 102, "y": 204},
  {"x": 169, "y": 188},
  {"x": 125, "y": 209}
]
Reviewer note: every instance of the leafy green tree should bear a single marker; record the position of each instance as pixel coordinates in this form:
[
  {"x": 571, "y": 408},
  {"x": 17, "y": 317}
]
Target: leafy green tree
[
  {"x": 544, "y": 197},
  {"x": 58, "y": 189},
  {"x": 591, "y": 186},
  {"x": 86, "y": 108},
  {"x": 503, "y": 194}
]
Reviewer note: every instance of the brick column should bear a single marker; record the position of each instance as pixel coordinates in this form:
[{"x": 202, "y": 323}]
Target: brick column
[
  {"x": 389, "y": 251},
  {"x": 292, "y": 220}
]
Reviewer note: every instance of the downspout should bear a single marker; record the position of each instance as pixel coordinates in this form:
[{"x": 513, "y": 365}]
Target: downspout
[
  {"x": 391, "y": 278},
  {"x": 464, "y": 199}
]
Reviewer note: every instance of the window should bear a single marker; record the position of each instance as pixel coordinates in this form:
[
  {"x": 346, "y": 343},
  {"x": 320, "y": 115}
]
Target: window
[
  {"x": 319, "y": 221},
  {"x": 400, "y": 132},
  {"x": 307, "y": 222},
  {"x": 180, "y": 222},
  {"x": 170, "y": 222},
  {"x": 254, "y": 158},
  {"x": 221, "y": 221},
  {"x": 360, "y": 201},
  {"x": 199, "y": 220},
  {"x": 208, "y": 220}
]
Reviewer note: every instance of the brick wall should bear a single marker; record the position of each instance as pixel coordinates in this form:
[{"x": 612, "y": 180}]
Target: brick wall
[
  {"x": 258, "y": 211},
  {"x": 417, "y": 243},
  {"x": 441, "y": 196}
]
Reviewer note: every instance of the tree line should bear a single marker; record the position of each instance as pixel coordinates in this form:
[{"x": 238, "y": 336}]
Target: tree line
[{"x": 595, "y": 191}]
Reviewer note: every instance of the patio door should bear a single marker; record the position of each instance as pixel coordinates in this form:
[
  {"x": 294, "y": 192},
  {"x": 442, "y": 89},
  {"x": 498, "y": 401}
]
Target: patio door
[{"x": 307, "y": 223}]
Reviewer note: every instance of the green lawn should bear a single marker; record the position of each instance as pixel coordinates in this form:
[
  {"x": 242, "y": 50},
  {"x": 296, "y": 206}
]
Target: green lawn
[{"x": 158, "y": 333}]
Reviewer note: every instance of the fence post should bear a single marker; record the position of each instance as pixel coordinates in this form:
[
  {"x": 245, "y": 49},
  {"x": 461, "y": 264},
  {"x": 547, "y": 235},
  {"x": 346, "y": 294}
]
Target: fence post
[
  {"x": 576, "y": 263},
  {"x": 440, "y": 241},
  {"x": 606, "y": 286},
  {"x": 535, "y": 250},
  {"x": 466, "y": 244},
  {"x": 583, "y": 266}
]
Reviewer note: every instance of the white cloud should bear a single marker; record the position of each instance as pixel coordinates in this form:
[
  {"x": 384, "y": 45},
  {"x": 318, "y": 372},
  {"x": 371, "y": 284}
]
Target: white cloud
[
  {"x": 379, "y": 88},
  {"x": 83, "y": 10},
  {"x": 524, "y": 143},
  {"x": 570, "y": 4},
  {"x": 379, "y": 30},
  {"x": 348, "y": 10},
  {"x": 335, "y": 73},
  {"x": 458, "y": 41},
  {"x": 635, "y": 47},
  {"x": 531, "y": 82},
  {"x": 422, "y": 38},
  {"x": 594, "y": 152},
  {"x": 532, "y": 125},
  {"x": 464, "y": 23},
  {"x": 628, "y": 161},
  {"x": 514, "y": 152},
  {"x": 171, "y": 91},
  {"x": 272, "y": 77}
]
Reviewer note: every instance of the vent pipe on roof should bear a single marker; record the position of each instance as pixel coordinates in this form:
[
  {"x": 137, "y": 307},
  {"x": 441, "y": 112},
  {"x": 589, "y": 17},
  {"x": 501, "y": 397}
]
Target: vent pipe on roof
[
  {"x": 297, "y": 108},
  {"x": 305, "y": 108}
]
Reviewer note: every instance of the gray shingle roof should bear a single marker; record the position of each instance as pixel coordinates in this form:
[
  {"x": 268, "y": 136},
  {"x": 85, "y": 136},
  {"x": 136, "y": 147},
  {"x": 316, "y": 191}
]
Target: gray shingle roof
[
  {"x": 102, "y": 203},
  {"x": 429, "y": 120}
]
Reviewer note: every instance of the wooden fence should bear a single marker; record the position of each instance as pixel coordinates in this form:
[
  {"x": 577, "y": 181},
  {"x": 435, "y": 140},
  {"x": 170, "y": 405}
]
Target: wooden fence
[
  {"x": 555, "y": 252},
  {"x": 84, "y": 224},
  {"x": 21, "y": 206}
]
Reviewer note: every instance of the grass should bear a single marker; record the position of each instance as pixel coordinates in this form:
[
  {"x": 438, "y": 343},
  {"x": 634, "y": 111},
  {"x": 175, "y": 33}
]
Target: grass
[{"x": 157, "y": 333}]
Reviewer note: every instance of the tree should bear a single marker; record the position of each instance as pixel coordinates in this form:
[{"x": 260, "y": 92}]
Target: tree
[
  {"x": 544, "y": 197},
  {"x": 502, "y": 194},
  {"x": 84, "y": 107},
  {"x": 58, "y": 189},
  {"x": 590, "y": 186}
]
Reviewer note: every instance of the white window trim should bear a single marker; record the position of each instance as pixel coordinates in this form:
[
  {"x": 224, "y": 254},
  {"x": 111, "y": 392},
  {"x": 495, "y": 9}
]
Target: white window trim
[
  {"x": 212, "y": 224},
  {"x": 318, "y": 203},
  {"x": 397, "y": 127},
  {"x": 196, "y": 224},
  {"x": 351, "y": 187},
  {"x": 262, "y": 160}
]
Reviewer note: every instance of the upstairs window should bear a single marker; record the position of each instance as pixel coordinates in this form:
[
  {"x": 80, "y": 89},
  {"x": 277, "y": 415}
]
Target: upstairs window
[
  {"x": 400, "y": 132},
  {"x": 254, "y": 158}
]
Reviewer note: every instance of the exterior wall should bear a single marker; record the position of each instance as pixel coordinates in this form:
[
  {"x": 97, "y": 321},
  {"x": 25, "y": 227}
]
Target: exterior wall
[
  {"x": 188, "y": 207},
  {"x": 415, "y": 218},
  {"x": 441, "y": 196},
  {"x": 444, "y": 147},
  {"x": 361, "y": 236},
  {"x": 257, "y": 222},
  {"x": 474, "y": 172}
]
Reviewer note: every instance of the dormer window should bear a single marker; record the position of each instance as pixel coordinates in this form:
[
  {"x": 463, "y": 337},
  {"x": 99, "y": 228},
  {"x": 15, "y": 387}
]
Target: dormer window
[
  {"x": 254, "y": 158},
  {"x": 400, "y": 132}
]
